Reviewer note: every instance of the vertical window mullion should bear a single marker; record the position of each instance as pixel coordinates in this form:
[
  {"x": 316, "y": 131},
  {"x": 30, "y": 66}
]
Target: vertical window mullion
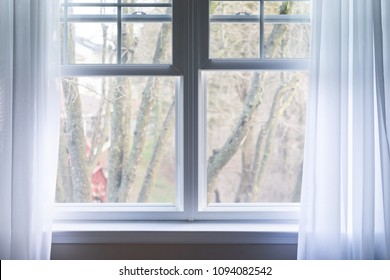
[
  {"x": 202, "y": 140},
  {"x": 179, "y": 144},
  {"x": 179, "y": 63},
  {"x": 190, "y": 88},
  {"x": 65, "y": 33},
  {"x": 261, "y": 28},
  {"x": 203, "y": 41},
  {"x": 119, "y": 33},
  {"x": 177, "y": 35},
  {"x": 201, "y": 51}
]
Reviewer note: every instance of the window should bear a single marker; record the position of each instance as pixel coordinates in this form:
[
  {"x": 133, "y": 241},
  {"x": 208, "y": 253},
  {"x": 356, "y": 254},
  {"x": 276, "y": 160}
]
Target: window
[{"x": 182, "y": 110}]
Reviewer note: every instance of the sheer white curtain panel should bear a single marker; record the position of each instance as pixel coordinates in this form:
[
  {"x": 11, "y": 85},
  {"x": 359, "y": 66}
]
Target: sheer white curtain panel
[
  {"x": 29, "y": 125},
  {"x": 346, "y": 182}
]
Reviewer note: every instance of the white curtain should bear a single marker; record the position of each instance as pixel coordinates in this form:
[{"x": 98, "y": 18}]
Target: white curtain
[
  {"x": 29, "y": 126},
  {"x": 346, "y": 181}
]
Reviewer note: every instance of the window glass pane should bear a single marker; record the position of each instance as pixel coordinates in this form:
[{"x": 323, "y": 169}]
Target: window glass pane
[
  {"x": 91, "y": 42},
  {"x": 117, "y": 140},
  {"x": 234, "y": 7},
  {"x": 287, "y": 40},
  {"x": 146, "y": 43},
  {"x": 147, "y": 10},
  {"x": 234, "y": 40},
  {"x": 297, "y": 7},
  {"x": 94, "y": 10},
  {"x": 234, "y": 29},
  {"x": 255, "y": 136},
  {"x": 287, "y": 29}
]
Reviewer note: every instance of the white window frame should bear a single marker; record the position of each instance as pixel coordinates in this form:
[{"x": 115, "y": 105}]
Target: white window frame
[
  {"x": 190, "y": 58},
  {"x": 132, "y": 211}
]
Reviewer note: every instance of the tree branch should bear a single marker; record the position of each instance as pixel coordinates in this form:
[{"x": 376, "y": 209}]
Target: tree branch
[{"x": 222, "y": 156}]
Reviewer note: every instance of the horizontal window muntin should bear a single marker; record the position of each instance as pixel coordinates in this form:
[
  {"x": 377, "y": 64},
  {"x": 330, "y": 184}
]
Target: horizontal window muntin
[
  {"x": 113, "y": 4},
  {"x": 114, "y": 18},
  {"x": 255, "y": 64},
  {"x": 118, "y": 70},
  {"x": 256, "y": 18},
  {"x": 143, "y": 12}
]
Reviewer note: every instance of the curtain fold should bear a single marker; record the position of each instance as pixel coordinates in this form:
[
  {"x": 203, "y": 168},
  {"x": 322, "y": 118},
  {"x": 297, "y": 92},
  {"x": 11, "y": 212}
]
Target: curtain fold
[
  {"x": 29, "y": 126},
  {"x": 382, "y": 66},
  {"x": 346, "y": 186}
]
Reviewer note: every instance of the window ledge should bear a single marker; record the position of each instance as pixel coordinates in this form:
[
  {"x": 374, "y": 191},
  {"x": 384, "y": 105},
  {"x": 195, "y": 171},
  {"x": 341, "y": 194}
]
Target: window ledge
[{"x": 179, "y": 232}]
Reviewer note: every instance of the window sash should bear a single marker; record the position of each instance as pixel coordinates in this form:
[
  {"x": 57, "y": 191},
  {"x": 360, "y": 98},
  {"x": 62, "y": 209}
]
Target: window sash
[
  {"x": 134, "y": 211},
  {"x": 255, "y": 211}
]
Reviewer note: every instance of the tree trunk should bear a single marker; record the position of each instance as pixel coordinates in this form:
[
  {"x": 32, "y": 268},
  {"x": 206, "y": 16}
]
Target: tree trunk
[
  {"x": 76, "y": 141},
  {"x": 65, "y": 188},
  {"x": 120, "y": 121},
  {"x": 148, "y": 99},
  {"x": 154, "y": 162},
  {"x": 116, "y": 153}
]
